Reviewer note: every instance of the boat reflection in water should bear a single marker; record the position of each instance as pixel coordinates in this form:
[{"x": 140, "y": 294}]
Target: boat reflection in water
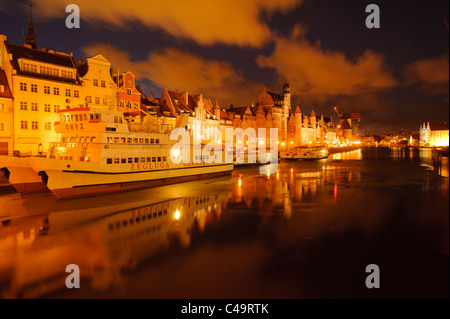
[{"x": 33, "y": 261}]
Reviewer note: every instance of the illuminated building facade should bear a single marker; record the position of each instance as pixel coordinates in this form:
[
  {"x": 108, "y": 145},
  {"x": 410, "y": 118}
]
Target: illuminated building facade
[
  {"x": 434, "y": 134},
  {"x": 42, "y": 82}
]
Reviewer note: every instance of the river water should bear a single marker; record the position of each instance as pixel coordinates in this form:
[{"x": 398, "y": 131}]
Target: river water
[{"x": 307, "y": 231}]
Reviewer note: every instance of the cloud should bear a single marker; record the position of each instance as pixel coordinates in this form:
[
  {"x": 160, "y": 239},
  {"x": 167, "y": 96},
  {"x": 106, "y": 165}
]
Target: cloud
[
  {"x": 432, "y": 75},
  {"x": 321, "y": 73},
  {"x": 207, "y": 22},
  {"x": 180, "y": 70}
]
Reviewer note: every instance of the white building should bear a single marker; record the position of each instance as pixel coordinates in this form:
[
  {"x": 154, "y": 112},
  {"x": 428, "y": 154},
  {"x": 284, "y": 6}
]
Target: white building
[{"x": 42, "y": 82}]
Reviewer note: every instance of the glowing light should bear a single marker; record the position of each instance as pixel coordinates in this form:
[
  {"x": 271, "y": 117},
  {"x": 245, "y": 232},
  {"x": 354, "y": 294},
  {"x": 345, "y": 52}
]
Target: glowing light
[
  {"x": 239, "y": 182},
  {"x": 177, "y": 214},
  {"x": 239, "y": 142},
  {"x": 175, "y": 153},
  {"x": 283, "y": 144}
]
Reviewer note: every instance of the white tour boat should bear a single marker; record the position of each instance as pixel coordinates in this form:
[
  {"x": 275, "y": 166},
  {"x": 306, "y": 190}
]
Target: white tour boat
[{"x": 99, "y": 152}]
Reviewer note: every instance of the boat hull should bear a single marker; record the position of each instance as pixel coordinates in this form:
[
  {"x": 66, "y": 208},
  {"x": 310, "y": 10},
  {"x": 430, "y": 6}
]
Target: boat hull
[
  {"x": 21, "y": 175},
  {"x": 72, "y": 184}
]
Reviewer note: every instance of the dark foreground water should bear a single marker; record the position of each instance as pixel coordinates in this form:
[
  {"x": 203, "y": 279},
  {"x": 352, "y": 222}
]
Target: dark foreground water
[{"x": 307, "y": 231}]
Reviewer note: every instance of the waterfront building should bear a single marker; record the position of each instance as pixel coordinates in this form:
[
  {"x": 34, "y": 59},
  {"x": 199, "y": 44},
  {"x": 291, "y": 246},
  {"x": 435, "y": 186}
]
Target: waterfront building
[
  {"x": 99, "y": 88},
  {"x": 6, "y": 116},
  {"x": 202, "y": 118},
  {"x": 129, "y": 97},
  {"x": 434, "y": 134},
  {"x": 41, "y": 83}
]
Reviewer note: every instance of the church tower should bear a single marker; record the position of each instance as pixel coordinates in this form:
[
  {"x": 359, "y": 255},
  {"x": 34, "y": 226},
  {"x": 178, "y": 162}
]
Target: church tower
[
  {"x": 30, "y": 37},
  {"x": 286, "y": 107},
  {"x": 298, "y": 126}
]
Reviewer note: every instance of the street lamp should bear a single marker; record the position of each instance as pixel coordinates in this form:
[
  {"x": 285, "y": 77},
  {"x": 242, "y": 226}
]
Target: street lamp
[{"x": 40, "y": 148}]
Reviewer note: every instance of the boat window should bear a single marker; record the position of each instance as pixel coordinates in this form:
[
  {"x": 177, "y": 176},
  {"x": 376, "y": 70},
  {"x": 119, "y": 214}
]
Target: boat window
[
  {"x": 164, "y": 159},
  {"x": 77, "y": 139},
  {"x": 123, "y": 161},
  {"x": 148, "y": 159},
  {"x": 116, "y": 140},
  {"x": 159, "y": 159},
  {"x": 152, "y": 140},
  {"x": 130, "y": 160},
  {"x": 136, "y": 159},
  {"x": 109, "y": 161},
  {"x": 146, "y": 141},
  {"x": 122, "y": 140},
  {"x": 142, "y": 159},
  {"x": 117, "y": 161},
  {"x": 129, "y": 140},
  {"x": 141, "y": 140},
  {"x": 85, "y": 116},
  {"x": 93, "y": 139},
  {"x": 157, "y": 141},
  {"x": 153, "y": 159},
  {"x": 82, "y": 139},
  {"x": 135, "y": 140}
]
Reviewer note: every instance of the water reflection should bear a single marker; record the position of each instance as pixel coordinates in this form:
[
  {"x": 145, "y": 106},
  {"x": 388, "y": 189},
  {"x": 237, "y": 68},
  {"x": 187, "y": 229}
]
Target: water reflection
[
  {"x": 302, "y": 230},
  {"x": 33, "y": 260}
]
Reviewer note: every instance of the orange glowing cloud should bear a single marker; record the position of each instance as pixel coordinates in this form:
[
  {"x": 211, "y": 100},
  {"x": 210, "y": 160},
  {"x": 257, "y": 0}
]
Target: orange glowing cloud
[
  {"x": 180, "y": 70},
  {"x": 431, "y": 74},
  {"x": 316, "y": 72},
  {"x": 207, "y": 22}
]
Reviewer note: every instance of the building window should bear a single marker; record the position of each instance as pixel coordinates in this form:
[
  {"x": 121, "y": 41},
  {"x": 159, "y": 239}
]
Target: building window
[
  {"x": 23, "y": 106},
  {"x": 47, "y": 108},
  {"x": 128, "y": 91},
  {"x": 2, "y": 107},
  {"x": 56, "y": 91},
  {"x": 46, "y": 89},
  {"x": 2, "y": 127},
  {"x": 103, "y": 84},
  {"x": 48, "y": 126},
  {"x": 23, "y": 86},
  {"x": 34, "y": 125},
  {"x": 76, "y": 93},
  {"x": 56, "y": 108},
  {"x": 97, "y": 100},
  {"x": 67, "y": 92},
  {"x": 122, "y": 104},
  {"x": 34, "y": 106},
  {"x": 95, "y": 82},
  {"x": 24, "y": 125},
  {"x": 136, "y": 105},
  {"x": 34, "y": 88}
]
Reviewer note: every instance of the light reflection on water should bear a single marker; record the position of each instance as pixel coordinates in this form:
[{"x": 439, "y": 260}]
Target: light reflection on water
[{"x": 294, "y": 233}]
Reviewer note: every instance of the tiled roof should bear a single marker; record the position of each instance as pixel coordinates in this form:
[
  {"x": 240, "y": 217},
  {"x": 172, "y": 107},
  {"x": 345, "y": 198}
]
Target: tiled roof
[{"x": 45, "y": 56}]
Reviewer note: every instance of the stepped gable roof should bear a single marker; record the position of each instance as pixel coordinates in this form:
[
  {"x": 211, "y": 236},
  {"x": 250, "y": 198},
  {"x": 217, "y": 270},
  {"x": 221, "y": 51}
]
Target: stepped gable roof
[
  {"x": 439, "y": 126},
  {"x": 6, "y": 92}
]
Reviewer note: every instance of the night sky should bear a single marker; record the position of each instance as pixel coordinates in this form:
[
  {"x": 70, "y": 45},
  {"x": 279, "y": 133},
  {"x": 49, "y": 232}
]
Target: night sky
[{"x": 396, "y": 76}]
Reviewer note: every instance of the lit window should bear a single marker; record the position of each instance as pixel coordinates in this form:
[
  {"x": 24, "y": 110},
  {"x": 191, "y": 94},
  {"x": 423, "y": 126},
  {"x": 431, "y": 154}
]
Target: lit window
[
  {"x": 95, "y": 82},
  {"x": 34, "y": 125},
  {"x": 48, "y": 126},
  {"x": 56, "y": 108},
  {"x": 23, "y": 106},
  {"x": 23, "y": 86},
  {"x": 24, "y": 125},
  {"x": 47, "y": 108},
  {"x": 34, "y": 106}
]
